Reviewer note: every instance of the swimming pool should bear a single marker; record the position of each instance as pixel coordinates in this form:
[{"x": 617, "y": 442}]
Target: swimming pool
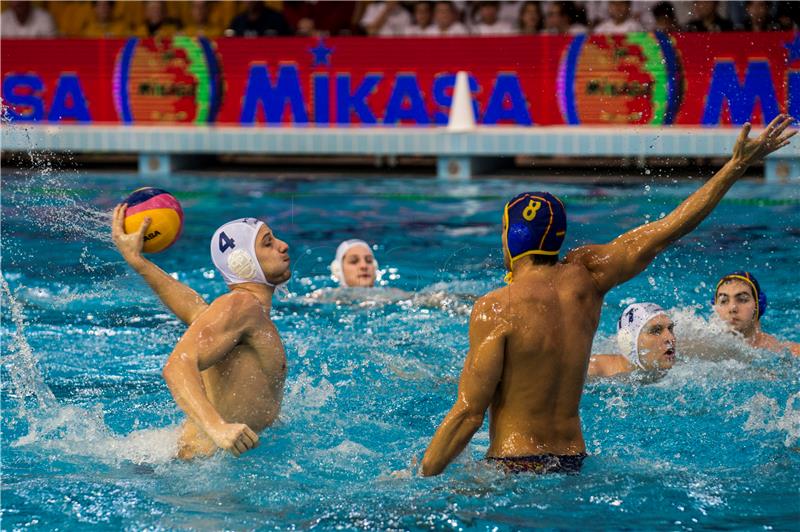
[{"x": 715, "y": 444}]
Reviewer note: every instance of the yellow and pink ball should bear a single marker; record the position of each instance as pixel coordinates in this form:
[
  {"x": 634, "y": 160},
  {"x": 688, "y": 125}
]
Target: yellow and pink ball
[{"x": 165, "y": 213}]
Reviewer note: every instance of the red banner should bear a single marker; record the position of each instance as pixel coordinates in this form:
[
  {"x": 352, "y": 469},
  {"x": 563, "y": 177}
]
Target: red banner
[{"x": 639, "y": 78}]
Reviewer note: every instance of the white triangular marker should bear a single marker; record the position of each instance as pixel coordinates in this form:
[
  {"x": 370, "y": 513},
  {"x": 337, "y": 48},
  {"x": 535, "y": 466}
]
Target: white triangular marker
[{"x": 462, "y": 117}]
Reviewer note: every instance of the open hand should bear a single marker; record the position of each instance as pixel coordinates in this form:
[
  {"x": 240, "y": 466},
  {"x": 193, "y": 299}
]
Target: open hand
[
  {"x": 774, "y": 137},
  {"x": 236, "y": 438},
  {"x": 129, "y": 245}
]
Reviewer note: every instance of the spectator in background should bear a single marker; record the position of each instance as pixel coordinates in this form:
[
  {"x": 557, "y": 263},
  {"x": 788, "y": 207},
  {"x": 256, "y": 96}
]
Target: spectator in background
[
  {"x": 509, "y": 12},
  {"x": 488, "y": 21},
  {"x": 597, "y": 12},
  {"x": 619, "y": 20},
  {"x": 200, "y": 21},
  {"x": 664, "y": 16},
  {"x": 24, "y": 20},
  {"x": 788, "y": 16},
  {"x": 319, "y": 19},
  {"x": 445, "y": 21},
  {"x": 423, "y": 18},
  {"x": 758, "y": 17},
  {"x": 156, "y": 23},
  {"x": 561, "y": 19},
  {"x": 385, "y": 19},
  {"x": 258, "y": 20},
  {"x": 530, "y": 20},
  {"x": 708, "y": 19},
  {"x": 102, "y": 22}
]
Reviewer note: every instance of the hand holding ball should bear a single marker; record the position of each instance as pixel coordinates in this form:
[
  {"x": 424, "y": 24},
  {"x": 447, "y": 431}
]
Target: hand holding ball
[{"x": 165, "y": 213}]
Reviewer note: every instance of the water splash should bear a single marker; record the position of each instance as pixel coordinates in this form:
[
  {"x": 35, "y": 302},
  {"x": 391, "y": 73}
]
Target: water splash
[
  {"x": 27, "y": 381},
  {"x": 709, "y": 339},
  {"x": 77, "y": 431},
  {"x": 52, "y": 205},
  {"x": 45, "y": 190},
  {"x": 764, "y": 414},
  {"x": 70, "y": 429}
]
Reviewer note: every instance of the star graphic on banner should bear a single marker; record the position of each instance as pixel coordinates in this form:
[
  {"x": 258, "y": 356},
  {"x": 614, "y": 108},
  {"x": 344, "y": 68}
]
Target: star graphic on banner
[
  {"x": 321, "y": 53},
  {"x": 794, "y": 48}
]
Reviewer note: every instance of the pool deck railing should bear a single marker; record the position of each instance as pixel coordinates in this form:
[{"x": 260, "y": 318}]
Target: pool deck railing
[{"x": 165, "y": 149}]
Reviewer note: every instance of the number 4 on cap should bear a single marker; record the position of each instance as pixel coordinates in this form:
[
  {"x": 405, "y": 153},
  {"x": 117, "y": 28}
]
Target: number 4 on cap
[{"x": 225, "y": 242}]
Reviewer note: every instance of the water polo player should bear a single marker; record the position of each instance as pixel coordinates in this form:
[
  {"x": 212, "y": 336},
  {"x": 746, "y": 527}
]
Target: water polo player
[
  {"x": 646, "y": 339},
  {"x": 354, "y": 264},
  {"x": 530, "y": 341},
  {"x": 227, "y": 371},
  {"x": 740, "y": 301}
]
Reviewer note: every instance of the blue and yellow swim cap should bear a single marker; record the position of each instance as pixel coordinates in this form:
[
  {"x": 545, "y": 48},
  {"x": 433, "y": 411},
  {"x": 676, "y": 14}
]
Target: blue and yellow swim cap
[
  {"x": 534, "y": 224},
  {"x": 750, "y": 280}
]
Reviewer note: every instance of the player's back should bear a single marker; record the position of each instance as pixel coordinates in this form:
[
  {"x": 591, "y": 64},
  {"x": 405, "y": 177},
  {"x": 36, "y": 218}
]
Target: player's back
[{"x": 552, "y": 313}]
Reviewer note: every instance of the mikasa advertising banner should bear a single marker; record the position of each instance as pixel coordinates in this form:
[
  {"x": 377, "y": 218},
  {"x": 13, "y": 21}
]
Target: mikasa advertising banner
[{"x": 639, "y": 79}]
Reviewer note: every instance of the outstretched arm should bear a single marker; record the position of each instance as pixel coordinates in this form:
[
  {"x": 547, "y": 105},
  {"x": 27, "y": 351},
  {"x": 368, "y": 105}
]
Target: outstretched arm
[
  {"x": 629, "y": 254},
  {"x": 184, "y": 302},
  {"x": 207, "y": 341},
  {"x": 476, "y": 388},
  {"x": 794, "y": 348}
]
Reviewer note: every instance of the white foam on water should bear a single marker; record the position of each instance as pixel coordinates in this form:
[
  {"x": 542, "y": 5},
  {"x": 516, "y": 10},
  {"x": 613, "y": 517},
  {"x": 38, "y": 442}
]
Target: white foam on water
[
  {"x": 70, "y": 429},
  {"x": 76, "y": 431},
  {"x": 303, "y": 393},
  {"x": 704, "y": 373},
  {"x": 351, "y": 449},
  {"x": 468, "y": 231},
  {"x": 709, "y": 339},
  {"x": 764, "y": 414},
  {"x": 59, "y": 296}
]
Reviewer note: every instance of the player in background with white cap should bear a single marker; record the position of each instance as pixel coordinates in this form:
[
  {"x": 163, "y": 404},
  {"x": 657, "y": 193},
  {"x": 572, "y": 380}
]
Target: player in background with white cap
[
  {"x": 227, "y": 371},
  {"x": 354, "y": 264},
  {"x": 646, "y": 339}
]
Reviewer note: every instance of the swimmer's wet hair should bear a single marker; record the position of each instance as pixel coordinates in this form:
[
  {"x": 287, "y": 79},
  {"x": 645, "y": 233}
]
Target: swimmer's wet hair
[{"x": 547, "y": 260}]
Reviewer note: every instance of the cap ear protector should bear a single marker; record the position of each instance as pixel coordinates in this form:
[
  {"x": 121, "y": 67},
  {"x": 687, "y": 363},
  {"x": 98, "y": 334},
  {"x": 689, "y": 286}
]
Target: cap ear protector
[
  {"x": 629, "y": 328},
  {"x": 233, "y": 252},
  {"x": 625, "y": 340},
  {"x": 751, "y": 281},
  {"x": 242, "y": 264},
  {"x": 336, "y": 271}
]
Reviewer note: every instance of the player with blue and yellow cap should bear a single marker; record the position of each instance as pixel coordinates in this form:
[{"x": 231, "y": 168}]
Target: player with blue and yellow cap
[
  {"x": 534, "y": 224},
  {"x": 741, "y": 302},
  {"x": 530, "y": 341}
]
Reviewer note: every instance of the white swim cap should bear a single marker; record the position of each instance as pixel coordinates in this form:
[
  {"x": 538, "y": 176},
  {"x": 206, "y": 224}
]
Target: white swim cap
[
  {"x": 630, "y": 326},
  {"x": 233, "y": 251},
  {"x": 336, "y": 266}
]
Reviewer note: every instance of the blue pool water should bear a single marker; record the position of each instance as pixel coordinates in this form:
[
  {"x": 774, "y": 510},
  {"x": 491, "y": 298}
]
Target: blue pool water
[{"x": 89, "y": 426}]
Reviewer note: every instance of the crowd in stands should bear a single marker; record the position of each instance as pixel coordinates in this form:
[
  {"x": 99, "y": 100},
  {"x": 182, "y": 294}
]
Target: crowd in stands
[{"x": 21, "y": 19}]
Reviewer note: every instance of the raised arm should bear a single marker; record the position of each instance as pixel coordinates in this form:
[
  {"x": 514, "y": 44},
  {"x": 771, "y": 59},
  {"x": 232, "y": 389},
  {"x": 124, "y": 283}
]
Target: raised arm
[
  {"x": 184, "y": 302},
  {"x": 794, "y": 348},
  {"x": 476, "y": 388},
  {"x": 629, "y": 254},
  {"x": 211, "y": 337}
]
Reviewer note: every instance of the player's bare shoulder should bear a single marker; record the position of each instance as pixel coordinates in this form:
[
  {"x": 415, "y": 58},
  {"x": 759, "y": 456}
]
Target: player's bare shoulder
[
  {"x": 584, "y": 257},
  {"x": 237, "y": 309},
  {"x": 493, "y": 302},
  {"x": 492, "y": 310}
]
